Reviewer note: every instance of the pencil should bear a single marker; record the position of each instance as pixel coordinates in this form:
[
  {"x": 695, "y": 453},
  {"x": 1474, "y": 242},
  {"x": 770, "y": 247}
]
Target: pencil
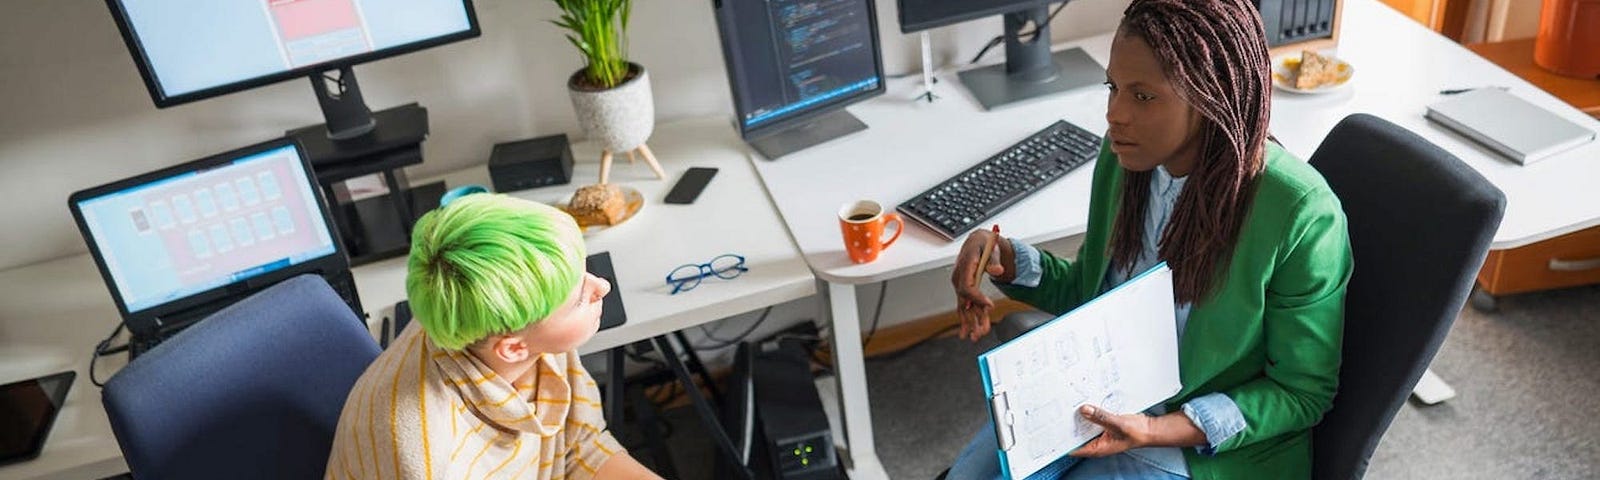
[{"x": 983, "y": 259}]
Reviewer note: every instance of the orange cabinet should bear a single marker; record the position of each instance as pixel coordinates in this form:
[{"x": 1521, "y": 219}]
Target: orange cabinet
[
  {"x": 1565, "y": 261},
  {"x": 1516, "y": 56}
]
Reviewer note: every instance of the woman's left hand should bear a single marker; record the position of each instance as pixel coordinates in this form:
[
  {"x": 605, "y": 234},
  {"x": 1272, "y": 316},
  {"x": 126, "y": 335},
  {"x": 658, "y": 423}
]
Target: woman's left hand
[{"x": 1122, "y": 432}]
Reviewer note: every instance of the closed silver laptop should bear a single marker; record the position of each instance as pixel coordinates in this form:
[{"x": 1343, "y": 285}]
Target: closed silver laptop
[{"x": 1509, "y": 125}]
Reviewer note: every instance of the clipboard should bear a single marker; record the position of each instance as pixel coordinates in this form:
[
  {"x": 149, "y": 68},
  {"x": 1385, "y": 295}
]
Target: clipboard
[{"x": 1118, "y": 351}]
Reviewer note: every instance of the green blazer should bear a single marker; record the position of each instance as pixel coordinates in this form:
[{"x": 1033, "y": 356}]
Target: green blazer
[{"x": 1269, "y": 334}]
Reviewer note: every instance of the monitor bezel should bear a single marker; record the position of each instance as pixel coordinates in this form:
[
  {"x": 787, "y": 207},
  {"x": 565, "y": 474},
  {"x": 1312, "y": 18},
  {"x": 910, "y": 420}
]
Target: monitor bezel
[
  {"x": 970, "y": 15},
  {"x": 144, "y": 320},
  {"x": 162, "y": 100},
  {"x": 808, "y": 114}
]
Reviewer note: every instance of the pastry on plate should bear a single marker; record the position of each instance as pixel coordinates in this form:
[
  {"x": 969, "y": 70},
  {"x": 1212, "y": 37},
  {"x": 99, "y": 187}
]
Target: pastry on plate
[
  {"x": 1316, "y": 71},
  {"x": 601, "y": 204}
]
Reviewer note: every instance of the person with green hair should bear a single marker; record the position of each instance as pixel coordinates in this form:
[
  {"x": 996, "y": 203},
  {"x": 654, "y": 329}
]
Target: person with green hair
[{"x": 486, "y": 382}]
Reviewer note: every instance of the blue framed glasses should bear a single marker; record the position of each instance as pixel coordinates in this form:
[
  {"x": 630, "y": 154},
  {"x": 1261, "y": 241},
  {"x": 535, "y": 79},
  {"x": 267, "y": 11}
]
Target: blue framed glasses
[{"x": 688, "y": 276}]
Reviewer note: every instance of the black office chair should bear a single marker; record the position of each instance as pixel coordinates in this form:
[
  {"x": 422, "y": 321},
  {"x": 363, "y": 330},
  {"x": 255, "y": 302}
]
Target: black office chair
[
  {"x": 254, "y": 391},
  {"x": 1420, "y": 226}
]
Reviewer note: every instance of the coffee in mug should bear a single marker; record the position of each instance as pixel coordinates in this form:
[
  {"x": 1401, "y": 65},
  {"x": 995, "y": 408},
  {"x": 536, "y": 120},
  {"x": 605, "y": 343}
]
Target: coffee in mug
[{"x": 863, "y": 223}]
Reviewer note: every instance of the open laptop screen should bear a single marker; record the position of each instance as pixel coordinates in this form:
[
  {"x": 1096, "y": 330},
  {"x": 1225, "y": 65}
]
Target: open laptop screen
[{"x": 170, "y": 237}]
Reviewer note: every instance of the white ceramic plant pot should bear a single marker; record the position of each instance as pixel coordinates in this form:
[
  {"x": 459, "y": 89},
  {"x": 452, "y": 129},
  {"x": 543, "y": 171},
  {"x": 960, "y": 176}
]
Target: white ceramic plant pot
[{"x": 620, "y": 118}]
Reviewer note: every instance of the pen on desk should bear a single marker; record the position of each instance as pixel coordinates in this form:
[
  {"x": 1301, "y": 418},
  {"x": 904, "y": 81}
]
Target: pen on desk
[
  {"x": 983, "y": 259},
  {"x": 1454, "y": 91}
]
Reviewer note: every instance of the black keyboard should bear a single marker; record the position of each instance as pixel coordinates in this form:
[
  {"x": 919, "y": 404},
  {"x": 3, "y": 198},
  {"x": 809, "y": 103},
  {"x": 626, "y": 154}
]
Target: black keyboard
[{"x": 964, "y": 201}]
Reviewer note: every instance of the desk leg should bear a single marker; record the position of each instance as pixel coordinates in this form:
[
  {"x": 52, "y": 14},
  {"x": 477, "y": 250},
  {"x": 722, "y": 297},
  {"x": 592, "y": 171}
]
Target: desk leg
[
  {"x": 646, "y": 415},
  {"x": 851, "y": 375},
  {"x": 708, "y": 418}
]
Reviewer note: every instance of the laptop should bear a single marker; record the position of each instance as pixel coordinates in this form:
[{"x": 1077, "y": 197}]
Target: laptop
[
  {"x": 178, "y": 244},
  {"x": 1509, "y": 125}
]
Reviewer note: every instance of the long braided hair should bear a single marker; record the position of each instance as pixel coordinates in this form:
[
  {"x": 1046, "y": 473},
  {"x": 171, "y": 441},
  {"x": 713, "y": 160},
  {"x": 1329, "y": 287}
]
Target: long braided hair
[{"x": 1215, "y": 54}]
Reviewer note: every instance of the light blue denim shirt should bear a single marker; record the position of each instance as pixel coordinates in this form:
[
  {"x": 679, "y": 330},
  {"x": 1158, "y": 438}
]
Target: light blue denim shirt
[{"x": 1214, "y": 413}]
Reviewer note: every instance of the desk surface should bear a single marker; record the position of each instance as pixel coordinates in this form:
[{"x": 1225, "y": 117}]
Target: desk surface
[
  {"x": 910, "y": 146},
  {"x": 732, "y": 215},
  {"x": 52, "y": 313},
  {"x": 1400, "y": 68},
  {"x": 51, "y": 316}
]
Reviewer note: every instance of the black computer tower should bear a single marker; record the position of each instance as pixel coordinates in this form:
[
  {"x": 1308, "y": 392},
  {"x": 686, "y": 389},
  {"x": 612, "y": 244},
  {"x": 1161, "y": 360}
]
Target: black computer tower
[
  {"x": 773, "y": 414},
  {"x": 793, "y": 426}
]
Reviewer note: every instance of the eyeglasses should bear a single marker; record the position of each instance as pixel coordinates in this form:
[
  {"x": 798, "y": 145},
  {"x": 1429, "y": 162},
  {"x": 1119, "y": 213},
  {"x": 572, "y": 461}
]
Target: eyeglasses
[{"x": 686, "y": 277}]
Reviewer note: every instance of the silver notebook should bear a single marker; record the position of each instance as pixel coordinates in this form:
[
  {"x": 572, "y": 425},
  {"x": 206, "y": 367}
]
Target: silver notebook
[{"x": 1509, "y": 125}]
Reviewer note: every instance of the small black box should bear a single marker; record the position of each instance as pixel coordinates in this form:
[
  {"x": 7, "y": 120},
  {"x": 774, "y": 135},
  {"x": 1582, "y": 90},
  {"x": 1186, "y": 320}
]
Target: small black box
[{"x": 526, "y": 164}]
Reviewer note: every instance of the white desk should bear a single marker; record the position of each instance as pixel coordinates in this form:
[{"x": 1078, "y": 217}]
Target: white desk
[
  {"x": 910, "y": 146},
  {"x": 1400, "y": 69},
  {"x": 51, "y": 316},
  {"x": 732, "y": 215},
  {"x": 52, "y": 313}
]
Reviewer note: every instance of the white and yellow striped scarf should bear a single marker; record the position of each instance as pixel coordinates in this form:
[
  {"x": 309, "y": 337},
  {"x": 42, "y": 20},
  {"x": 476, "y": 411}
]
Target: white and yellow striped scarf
[{"x": 420, "y": 412}]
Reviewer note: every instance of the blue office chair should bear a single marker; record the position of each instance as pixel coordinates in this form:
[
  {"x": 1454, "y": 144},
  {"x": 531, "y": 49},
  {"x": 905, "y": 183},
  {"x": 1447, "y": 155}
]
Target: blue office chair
[
  {"x": 1420, "y": 226},
  {"x": 254, "y": 391}
]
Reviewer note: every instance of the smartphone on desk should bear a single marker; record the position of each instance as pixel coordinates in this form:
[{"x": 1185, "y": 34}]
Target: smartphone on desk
[{"x": 690, "y": 185}]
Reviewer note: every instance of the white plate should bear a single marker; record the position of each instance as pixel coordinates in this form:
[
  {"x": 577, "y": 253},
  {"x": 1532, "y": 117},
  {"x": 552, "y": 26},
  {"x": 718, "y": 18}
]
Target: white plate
[
  {"x": 630, "y": 195},
  {"x": 1287, "y": 67}
]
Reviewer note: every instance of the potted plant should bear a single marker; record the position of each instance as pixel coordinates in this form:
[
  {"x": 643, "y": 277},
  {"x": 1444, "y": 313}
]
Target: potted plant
[{"x": 610, "y": 94}]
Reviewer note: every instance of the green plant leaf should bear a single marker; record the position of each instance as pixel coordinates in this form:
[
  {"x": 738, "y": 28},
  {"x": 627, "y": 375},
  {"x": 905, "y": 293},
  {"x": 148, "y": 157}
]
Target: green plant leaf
[
  {"x": 582, "y": 48},
  {"x": 598, "y": 29}
]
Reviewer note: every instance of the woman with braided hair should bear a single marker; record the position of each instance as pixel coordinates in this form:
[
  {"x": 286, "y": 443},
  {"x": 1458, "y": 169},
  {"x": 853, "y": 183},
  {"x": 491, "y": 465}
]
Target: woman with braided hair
[{"x": 1256, "y": 241}]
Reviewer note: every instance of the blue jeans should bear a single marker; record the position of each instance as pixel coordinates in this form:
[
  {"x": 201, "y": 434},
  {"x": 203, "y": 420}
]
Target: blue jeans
[{"x": 980, "y": 460}]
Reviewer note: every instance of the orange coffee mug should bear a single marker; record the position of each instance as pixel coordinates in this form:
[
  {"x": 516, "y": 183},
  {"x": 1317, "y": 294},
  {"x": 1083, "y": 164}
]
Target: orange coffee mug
[{"x": 862, "y": 223}]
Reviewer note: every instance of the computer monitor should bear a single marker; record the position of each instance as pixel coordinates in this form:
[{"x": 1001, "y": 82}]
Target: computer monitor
[
  {"x": 1030, "y": 70},
  {"x": 195, "y": 233},
  {"x": 189, "y": 50},
  {"x": 794, "y": 65}
]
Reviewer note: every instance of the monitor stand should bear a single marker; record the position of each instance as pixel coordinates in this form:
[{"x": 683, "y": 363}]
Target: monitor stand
[
  {"x": 819, "y": 130},
  {"x": 1031, "y": 70},
  {"x": 396, "y": 128},
  {"x": 377, "y": 227},
  {"x": 357, "y": 142}
]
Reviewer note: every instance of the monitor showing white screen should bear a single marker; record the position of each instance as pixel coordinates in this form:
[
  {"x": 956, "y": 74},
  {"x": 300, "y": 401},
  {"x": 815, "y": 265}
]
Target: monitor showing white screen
[
  {"x": 193, "y": 45},
  {"x": 174, "y": 237}
]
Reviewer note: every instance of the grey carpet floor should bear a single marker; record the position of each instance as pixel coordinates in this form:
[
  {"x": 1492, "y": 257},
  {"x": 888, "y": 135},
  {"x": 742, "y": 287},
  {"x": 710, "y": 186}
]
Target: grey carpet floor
[{"x": 1527, "y": 378}]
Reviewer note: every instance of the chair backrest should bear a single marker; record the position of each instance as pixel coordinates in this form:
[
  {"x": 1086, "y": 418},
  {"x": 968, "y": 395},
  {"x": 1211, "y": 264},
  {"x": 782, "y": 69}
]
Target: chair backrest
[
  {"x": 254, "y": 391},
  {"x": 1420, "y": 226}
]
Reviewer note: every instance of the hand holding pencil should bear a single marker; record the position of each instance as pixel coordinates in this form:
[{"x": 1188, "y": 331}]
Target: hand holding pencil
[{"x": 982, "y": 253}]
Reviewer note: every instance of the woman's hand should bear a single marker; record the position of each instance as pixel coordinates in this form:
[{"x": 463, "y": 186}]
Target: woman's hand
[
  {"x": 1122, "y": 432},
  {"x": 971, "y": 304},
  {"x": 1137, "y": 430}
]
